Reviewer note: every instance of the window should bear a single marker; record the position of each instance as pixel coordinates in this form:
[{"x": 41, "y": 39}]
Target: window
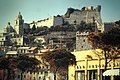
[
  {"x": 80, "y": 75},
  {"x": 18, "y": 76},
  {"x": 39, "y": 67},
  {"x": 46, "y": 73},
  {"x": 81, "y": 46},
  {"x": 84, "y": 40},
  {"x": 41, "y": 72},
  {"x": 43, "y": 67},
  {"x": 37, "y": 72},
  {"x": 92, "y": 75},
  {"x": 77, "y": 67},
  {"x": 89, "y": 66},
  {"x": 24, "y": 76}
]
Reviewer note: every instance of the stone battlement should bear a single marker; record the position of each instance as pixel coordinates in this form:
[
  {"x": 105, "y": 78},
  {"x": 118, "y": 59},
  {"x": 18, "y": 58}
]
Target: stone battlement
[{"x": 82, "y": 33}]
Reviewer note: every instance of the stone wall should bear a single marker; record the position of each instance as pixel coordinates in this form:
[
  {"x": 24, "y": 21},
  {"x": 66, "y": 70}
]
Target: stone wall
[
  {"x": 82, "y": 41},
  {"x": 86, "y": 14}
]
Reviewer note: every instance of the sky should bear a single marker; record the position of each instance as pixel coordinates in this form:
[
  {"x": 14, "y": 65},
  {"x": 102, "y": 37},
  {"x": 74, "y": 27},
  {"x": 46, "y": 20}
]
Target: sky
[{"x": 34, "y": 10}]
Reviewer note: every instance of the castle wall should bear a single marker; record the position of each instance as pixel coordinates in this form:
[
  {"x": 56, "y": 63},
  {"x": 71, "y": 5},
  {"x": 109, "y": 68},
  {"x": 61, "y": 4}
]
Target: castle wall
[
  {"x": 51, "y": 21},
  {"x": 86, "y": 16},
  {"x": 47, "y": 22}
]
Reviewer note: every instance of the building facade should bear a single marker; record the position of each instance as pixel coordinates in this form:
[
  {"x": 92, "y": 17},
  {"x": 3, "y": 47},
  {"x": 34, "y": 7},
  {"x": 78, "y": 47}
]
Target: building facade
[
  {"x": 4, "y": 39},
  {"x": 61, "y": 40},
  {"x": 90, "y": 66}
]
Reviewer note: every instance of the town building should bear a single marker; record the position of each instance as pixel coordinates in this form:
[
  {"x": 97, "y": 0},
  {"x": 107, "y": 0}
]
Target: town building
[
  {"x": 61, "y": 40},
  {"x": 27, "y": 50},
  {"x": 17, "y": 41},
  {"x": 90, "y": 66},
  {"x": 41, "y": 73},
  {"x": 4, "y": 39}
]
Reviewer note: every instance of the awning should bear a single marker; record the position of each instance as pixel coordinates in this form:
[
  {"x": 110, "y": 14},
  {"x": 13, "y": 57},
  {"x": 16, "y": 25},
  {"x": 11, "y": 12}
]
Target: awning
[{"x": 114, "y": 72}]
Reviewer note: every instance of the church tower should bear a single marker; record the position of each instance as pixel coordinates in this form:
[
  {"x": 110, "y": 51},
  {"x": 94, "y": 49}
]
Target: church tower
[{"x": 19, "y": 22}]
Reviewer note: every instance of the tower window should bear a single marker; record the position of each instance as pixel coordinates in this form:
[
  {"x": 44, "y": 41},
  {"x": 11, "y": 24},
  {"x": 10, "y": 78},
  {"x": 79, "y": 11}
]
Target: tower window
[
  {"x": 81, "y": 46},
  {"x": 84, "y": 40}
]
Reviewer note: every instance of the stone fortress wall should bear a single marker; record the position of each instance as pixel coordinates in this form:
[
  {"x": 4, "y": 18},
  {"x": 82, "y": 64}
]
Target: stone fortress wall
[
  {"x": 72, "y": 16},
  {"x": 51, "y": 21},
  {"x": 86, "y": 14}
]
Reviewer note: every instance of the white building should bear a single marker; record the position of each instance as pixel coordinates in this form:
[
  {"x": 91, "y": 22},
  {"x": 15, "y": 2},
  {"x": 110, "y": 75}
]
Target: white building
[{"x": 18, "y": 40}]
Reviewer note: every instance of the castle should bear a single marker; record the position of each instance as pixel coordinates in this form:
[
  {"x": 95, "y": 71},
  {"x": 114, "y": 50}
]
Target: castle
[{"x": 74, "y": 17}]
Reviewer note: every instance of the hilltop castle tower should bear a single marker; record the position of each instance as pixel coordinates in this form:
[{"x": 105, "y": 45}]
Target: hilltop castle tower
[
  {"x": 86, "y": 14},
  {"x": 19, "y": 23}
]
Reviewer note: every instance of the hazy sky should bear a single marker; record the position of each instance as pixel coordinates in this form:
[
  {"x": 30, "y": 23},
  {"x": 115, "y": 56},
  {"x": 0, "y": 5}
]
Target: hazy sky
[{"x": 34, "y": 10}]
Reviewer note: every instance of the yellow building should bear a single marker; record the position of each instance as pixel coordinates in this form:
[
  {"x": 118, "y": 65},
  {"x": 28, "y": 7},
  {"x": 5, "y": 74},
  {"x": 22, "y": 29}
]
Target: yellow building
[{"x": 90, "y": 66}]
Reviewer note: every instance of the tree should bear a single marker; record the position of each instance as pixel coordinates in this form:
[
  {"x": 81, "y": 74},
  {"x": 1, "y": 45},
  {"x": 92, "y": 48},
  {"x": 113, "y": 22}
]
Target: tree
[
  {"x": 33, "y": 30},
  {"x": 4, "y": 65},
  {"x": 59, "y": 60},
  {"x": 108, "y": 42},
  {"x": 23, "y": 63},
  {"x": 26, "y": 63},
  {"x": 117, "y": 23},
  {"x": 8, "y": 64}
]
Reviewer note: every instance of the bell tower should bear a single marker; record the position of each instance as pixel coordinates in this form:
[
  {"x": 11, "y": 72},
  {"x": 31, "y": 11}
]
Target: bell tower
[{"x": 19, "y": 22}]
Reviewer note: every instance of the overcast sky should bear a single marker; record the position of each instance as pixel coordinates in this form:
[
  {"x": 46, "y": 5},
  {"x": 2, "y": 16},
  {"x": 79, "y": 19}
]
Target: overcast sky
[{"x": 34, "y": 10}]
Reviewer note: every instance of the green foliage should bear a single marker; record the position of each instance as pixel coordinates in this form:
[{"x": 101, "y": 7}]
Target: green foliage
[
  {"x": 59, "y": 61},
  {"x": 106, "y": 39},
  {"x": 61, "y": 58},
  {"x": 4, "y": 63},
  {"x": 27, "y": 63},
  {"x": 85, "y": 27},
  {"x": 108, "y": 42},
  {"x": 118, "y": 23},
  {"x": 111, "y": 37},
  {"x": 21, "y": 62}
]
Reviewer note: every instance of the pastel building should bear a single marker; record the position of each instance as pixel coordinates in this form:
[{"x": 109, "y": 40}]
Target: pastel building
[
  {"x": 41, "y": 73},
  {"x": 90, "y": 66}
]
